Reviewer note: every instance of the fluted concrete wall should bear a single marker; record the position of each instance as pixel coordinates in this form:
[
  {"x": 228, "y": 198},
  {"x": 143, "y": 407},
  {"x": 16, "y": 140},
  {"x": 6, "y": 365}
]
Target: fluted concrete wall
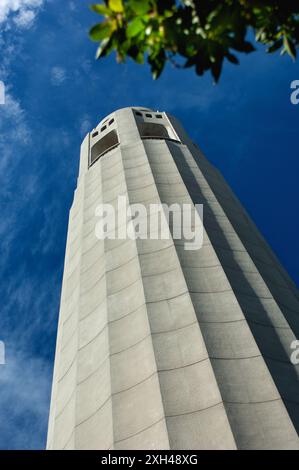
[{"x": 159, "y": 347}]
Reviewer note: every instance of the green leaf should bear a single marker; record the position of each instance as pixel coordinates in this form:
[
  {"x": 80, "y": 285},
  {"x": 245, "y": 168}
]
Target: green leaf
[
  {"x": 157, "y": 62},
  {"x": 103, "y": 48},
  {"x": 190, "y": 62},
  {"x": 244, "y": 46},
  {"x": 232, "y": 58},
  {"x": 165, "y": 5},
  {"x": 100, "y": 31},
  {"x": 277, "y": 45},
  {"x": 116, "y": 5},
  {"x": 135, "y": 27},
  {"x": 139, "y": 58},
  {"x": 260, "y": 35},
  {"x": 101, "y": 10},
  {"x": 136, "y": 54},
  {"x": 140, "y": 7},
  {"x": 216, "y": 69},
  {"x": 200, "y": 32},
  {"x": 289, "y": 47},
  {"x": 199, "y": 67}
]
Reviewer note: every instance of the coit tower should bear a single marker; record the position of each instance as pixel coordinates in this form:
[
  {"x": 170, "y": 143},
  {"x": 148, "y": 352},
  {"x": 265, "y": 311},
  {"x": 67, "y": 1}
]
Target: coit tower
[{"x": 159, "y": 346}]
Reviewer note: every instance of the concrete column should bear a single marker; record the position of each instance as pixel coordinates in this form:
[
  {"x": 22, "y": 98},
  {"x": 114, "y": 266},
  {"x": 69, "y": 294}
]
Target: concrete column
[{"x": 159, "y": 347}]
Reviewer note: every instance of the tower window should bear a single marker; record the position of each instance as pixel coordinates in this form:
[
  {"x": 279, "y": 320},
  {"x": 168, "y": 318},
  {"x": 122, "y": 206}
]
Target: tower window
[
  {"x": 159, "y": 116},
  {"x": 103, "y": 128},
  {"x": 111, "y": 121},
  {"x": 148, "y": 115},
  {"x": 138, "y": 113},
  {"x": 106, "y": 143},
  {"x": 151, "y": 129},
  {"x": 95, "y": 134}
]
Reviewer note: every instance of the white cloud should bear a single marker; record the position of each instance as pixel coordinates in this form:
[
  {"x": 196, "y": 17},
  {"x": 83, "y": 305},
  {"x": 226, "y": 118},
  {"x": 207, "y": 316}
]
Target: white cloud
[
  {"x": 15, "y": 139},
  {"x": 24, "y": 382},
  {"x": 22, "y": 11},
  {"x": 14, "y": 131},
  {"x": 85, "y": 125},
  {"x": 58, "y": 76},
  {"x": 25, "y": 18},
  {"x": 72, "y": 6}
]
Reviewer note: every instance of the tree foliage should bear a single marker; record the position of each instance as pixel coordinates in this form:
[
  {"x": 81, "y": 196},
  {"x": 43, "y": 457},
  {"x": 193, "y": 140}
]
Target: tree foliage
[{"x": 193, "y": 33}]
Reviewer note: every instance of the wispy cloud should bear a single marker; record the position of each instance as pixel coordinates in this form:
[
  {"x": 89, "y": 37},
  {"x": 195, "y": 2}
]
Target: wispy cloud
[
  {"x": 85, "y": 125},
  {"x": 24, "y": 399},
  {"x": 49, "y": 108},
  {"x": 21, "y": 12},
  {"x": 58, "y": 75},
  {"x": 14, "y": 136}
]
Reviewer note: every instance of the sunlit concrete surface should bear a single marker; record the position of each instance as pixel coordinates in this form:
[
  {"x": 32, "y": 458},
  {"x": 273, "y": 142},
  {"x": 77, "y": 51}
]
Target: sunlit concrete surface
[{"x": 159, "y": 347}]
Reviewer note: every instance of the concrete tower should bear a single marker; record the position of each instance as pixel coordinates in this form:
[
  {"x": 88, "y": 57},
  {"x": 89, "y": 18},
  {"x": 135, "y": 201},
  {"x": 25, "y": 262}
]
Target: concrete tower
[{"x": 161, "y": 347}]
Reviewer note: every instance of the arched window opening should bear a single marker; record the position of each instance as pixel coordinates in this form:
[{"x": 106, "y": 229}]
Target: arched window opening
[
  {"x": 152, "y": 130},
  {"x": 108, "y": 142}
]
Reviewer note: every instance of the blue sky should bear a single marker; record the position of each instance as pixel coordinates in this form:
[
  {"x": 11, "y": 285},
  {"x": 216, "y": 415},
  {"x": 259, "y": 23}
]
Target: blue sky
[{"x": 55, "y": 93}]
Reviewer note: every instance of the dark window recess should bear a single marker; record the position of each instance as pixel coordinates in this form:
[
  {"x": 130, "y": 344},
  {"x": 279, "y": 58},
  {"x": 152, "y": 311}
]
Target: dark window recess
[
  {"x": 138, "y": 113},
  {"x": 148, "y": 115},
  {"x": 95, "y": 134},
  {"x": 150, "y": 129},
  {"x": 103, "y": 128},
  {"x": 103, "y": 145},
  {"x": 159, "y": 116},
  {"x": 111, "y": 122}
]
